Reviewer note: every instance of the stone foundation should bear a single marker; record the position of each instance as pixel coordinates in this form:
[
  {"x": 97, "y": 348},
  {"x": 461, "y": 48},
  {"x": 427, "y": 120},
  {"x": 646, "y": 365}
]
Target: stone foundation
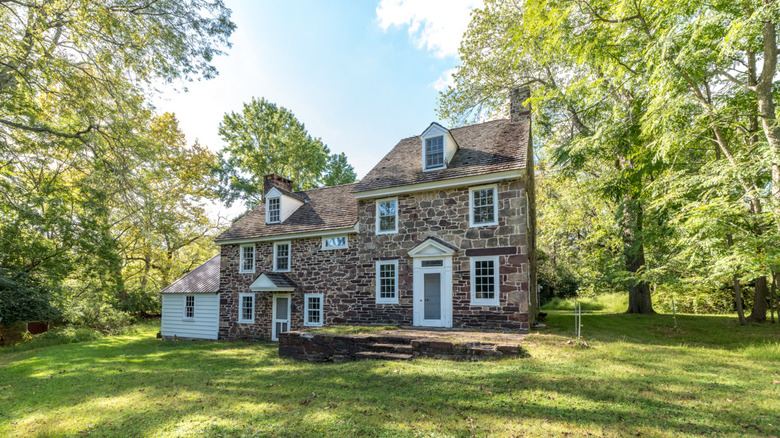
[{"x": 320, "y": 347}]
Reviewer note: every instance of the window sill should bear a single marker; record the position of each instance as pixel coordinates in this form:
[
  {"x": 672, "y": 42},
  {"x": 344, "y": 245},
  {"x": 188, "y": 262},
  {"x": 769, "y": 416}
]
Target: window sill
[
  {"x": 387, "y": 301},
  {"x": 312, "y": 325},
  {"x": 485, "y": 303},
  {"x": 379, "y": 233},
  {"x": 240, "y": 321}
]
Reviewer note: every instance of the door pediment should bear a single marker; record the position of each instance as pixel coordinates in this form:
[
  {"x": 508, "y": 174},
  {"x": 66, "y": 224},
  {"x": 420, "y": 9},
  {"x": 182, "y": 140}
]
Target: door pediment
[{"x": 433, "y": 247}]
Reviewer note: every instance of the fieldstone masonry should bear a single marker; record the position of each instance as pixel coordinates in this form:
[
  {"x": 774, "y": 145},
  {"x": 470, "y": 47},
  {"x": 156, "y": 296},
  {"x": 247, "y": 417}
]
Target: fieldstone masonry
[{"x": 346, "y": 277}]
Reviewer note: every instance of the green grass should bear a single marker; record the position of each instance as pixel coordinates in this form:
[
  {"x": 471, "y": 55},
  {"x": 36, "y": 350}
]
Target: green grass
[
  {"x": 354, "y": 329},
  {"x": 639, "y": 378},
  {"x": 608, "y": 302}
]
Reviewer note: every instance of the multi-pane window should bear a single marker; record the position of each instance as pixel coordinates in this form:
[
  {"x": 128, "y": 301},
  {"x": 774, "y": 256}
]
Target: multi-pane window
[
  {"x": 387, "y": 282},
  {"x": 246, "y": 311},
  {"x": 386, "y": 216},
  {"x": 483, "y": 206},
  {"x": 247, "y": 262},
  {"x": 334, "y": 242},
  {"x": 434, "y": 153},
  {"x": 274, "y": 210},
  {"x": 282, "y": 256},
  {"x": 484, "y": 281},
  {"x": 189, "y": 306},
  {"x": 313, "y": 309}
]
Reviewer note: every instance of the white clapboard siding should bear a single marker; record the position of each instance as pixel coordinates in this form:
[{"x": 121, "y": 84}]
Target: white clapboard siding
[{"x": 204, "y": 325}]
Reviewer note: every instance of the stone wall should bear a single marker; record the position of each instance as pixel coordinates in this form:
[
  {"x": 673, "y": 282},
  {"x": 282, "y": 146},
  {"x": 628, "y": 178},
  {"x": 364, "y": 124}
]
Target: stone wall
[
  {"x": 445, "y": 214},
  {"x": 346, "y": 277}
]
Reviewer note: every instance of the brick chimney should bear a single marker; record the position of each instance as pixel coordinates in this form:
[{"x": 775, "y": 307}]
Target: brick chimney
[
  {"x": 517, "y": 96},
  {"x": 273, "y": 180}
]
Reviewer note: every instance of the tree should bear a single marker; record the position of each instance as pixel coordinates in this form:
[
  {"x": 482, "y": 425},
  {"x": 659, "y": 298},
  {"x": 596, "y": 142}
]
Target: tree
[
  {"x": 164, "y": 229},
  {"x": 73, "y": 81},
  {"x": 265, "y": 138}
]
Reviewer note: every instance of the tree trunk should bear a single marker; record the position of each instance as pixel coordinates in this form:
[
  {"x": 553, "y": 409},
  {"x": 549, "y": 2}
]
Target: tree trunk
[
  {"x": 639, "y": 300},
  {"x": 766, "y": 107},
  {"x": 737, "y": 288},
  {"x": 773, "y": 304},
  {"x": 759, "y": 305}
]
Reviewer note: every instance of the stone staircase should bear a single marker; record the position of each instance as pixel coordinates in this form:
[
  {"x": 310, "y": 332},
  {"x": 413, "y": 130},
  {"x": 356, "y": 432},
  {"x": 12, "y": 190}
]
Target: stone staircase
[
  {"x": 388, "y": 349},
  {"x": 316, "y": 347}
]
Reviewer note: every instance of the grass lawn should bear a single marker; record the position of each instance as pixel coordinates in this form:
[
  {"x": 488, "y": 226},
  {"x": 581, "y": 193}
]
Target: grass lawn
[{"x": 639, "y": 378}]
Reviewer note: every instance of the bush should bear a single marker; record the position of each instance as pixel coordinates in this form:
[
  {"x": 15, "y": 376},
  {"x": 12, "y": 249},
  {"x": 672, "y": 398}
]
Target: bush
[
  {"x": 700, "y": 299},
  {"x": 56, "y": 336},
  {"x": 22, "y": 298},
  {"x": 99, "y": 316},
  {"x": 608, "y": 302}
]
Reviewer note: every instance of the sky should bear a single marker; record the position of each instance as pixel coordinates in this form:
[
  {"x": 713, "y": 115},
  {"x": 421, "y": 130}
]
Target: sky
[{"x": 360, "y": 75}]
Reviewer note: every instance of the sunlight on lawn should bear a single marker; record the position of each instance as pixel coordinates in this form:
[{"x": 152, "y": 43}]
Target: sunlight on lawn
[{"x": 635, "y": 379}]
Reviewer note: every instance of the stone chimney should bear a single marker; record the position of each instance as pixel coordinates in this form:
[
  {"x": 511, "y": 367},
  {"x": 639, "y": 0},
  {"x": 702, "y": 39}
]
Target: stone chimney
[
  {"x": 272, "y": 180},
  {"x": 517, "y": 110}
]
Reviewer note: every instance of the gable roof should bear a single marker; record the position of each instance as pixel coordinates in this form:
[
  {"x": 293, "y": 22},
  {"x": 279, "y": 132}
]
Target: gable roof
[
  {"x": 483, "y": 148},
  {"x": 324, "y": 209},
  {"x": 203, "y": 279},
  {"x": 272, "y": 281}
]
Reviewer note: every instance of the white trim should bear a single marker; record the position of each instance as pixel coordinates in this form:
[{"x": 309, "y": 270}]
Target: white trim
[
  {"x": 328, "y": 248},
  {"x": 452, "y": 182},
  {"x": 378, "y": 201},
  {"x": 443, "y": 137},
  {"x": 289, "y": 255},
  {"x": 241, "y": 269},
  {"x": 184, "y": 316},
  {"x": 306, "y": 321},
  {"x": 495, "y": 205},
  {"x": 418, "y": 295},
  {"x": 431, "y": 248},
  {"x": 496, "y": 285},
  {"x": 274, "y": 335},
  {"x": 349, "y": 230},
  {"x": 380, "y": 300},
  {"x": 264, "y": 284},
  {"x": 241, "y": 319},
  {"x": 267, "y": 209}
]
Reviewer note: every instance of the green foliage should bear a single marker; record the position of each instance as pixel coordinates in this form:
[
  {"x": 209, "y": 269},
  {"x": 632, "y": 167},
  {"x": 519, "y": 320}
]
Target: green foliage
[
  {"x": 77, "y": 135},
  {"x": 23, "y": 298},
  {"x": 68, "y": 334},
  {"x": 604, "y": 302},
  {"x": 98, "y": 315},
  {"x": 265, "y": 138}
]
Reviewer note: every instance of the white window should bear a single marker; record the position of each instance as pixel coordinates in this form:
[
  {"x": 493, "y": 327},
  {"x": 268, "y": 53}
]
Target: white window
[
  {"x": 246, "y": 308},
  {"x": 312, "y": 312},
  {"x": 273, "y": 210},
  {"x": 336, "y": 242},
  {"x": 387, "y": 282},
  {"x": 484, "y": 281},
  {"x": 434, "y": 153},
  {"x": 484, "y": 206},
  {"x": 189, "y": 307},
  {"x": 281, "y": 256},
  {"x": 247, "y": 259},
  {"x": 387, "y": 216}
]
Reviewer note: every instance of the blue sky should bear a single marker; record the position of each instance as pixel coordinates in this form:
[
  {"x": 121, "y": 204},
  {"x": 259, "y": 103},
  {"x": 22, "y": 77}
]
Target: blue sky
[{"x": 360, "y": 75}]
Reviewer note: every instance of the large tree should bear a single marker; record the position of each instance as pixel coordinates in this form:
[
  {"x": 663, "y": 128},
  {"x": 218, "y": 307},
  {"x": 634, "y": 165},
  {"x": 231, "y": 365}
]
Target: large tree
[
  {"x": 75, "y": 76},
  {"x": 265, "y": 138}
]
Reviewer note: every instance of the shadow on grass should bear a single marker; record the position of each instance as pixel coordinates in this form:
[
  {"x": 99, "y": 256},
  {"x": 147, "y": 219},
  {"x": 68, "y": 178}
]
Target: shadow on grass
[{"x": 141, "y": 387}]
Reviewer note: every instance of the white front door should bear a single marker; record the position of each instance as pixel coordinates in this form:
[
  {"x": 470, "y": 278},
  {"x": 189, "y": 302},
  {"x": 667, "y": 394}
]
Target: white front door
[
  {"x": 281, "y": 315},
  {"x": 433, "y": 292}
]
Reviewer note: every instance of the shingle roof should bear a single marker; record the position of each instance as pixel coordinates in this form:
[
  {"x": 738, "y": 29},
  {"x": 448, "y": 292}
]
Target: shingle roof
[
  {"x": 203, "y": 279},
  {"x": 280, "y": 280},
  {"x": 484, "y": 148},
  {"x": 325, "y": 209}
]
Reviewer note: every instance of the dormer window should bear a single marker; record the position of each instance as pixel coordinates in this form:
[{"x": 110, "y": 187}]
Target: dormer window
[
  {"x": 273, "y": 210},
  {"x": 434, "y": 153}
]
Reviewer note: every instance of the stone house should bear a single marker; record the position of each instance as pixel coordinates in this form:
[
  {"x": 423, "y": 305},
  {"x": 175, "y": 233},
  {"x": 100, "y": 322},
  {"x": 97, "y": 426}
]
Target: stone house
[{"x": 440, "y": 233}]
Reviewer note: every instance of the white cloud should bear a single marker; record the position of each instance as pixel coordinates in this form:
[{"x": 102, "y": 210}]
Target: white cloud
[
  {"x": 434, "y": 25},
  {"x": 445, "y": 80}
]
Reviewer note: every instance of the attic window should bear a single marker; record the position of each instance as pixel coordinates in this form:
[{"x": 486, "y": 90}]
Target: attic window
[
  {"x": 273, "y": 211},
  {"x": 434, "y": 153}
]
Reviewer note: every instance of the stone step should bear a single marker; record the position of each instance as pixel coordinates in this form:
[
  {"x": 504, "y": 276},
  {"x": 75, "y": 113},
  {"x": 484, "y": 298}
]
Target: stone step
[
  {"x": 390, "y": 348},
  {"x": 390, "y": 340},
  {"x": 382, "y": 355}
]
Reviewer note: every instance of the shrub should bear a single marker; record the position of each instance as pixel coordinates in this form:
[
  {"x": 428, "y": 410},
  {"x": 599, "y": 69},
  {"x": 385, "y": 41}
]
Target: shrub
[
  {"x": 22, "y": 298},
  {"x": 99, "y": 316},
  {"x": 612, "y": 302},
  {"x": 57, "y": 336}
]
